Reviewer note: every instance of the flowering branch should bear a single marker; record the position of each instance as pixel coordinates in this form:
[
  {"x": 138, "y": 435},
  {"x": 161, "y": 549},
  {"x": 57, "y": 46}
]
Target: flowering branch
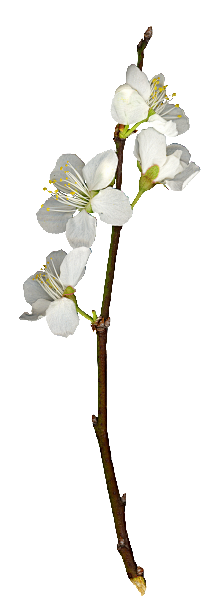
[{"x": 142, "y": 45}]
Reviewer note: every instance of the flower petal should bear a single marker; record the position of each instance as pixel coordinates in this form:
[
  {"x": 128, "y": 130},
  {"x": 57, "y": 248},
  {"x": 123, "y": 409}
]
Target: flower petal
[
  {"x": 171, "y": 112},
  {"x": 33, "y": 290},
  {"x": 155, "y": 74},
  {"x": 163, "y": 126},
  {"x": 40, "y": 306},
  {"x": 81, "y": 230},
  {"x": 128, "y": 106},
  {"x": 152, "y": 148},
  {"x": 138, "y": 81},
  {"x": 171, "y": 167},
  {"x": 57, "y": 258},
  {"x": 73, "y": 266},
  {"x": 62, "y": 317},
  {"x": 113, "y": 206},
  {"x": 185, "y": 156},
  {"x": 100, "y": 170},
  {"x": 58, "y": 175},
  {"x": 53, "y": 221},
  {"x": 182, "y": 179}
]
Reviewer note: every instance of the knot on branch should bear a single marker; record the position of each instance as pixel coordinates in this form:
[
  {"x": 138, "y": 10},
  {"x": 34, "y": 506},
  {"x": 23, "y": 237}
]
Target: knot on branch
[
  {"x": 122, "y": 498},
  {"x": 100, "y": 324},
  {"x": 94, "y": 420},
  {"x": 121, "y": 544},
  {"x": 140, "y": 571}
]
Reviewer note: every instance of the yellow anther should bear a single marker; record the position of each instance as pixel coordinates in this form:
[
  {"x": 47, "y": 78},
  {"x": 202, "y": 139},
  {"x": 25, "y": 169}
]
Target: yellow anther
[
  {"x": 179, "y": 116},
  {"x": 174, "y": 94},
  {"x": 44, "y": 189},
  {"x": 176, "y": 105},
  {"x": 160, "y": 89},
  {"x": 50, "y": 181},
  {"x": 50, "y": 191},
  {"x": 33, "y": 278},
  {"x": 47, "y": 208},
  {"x": 73, "y": 193},
  {"x": 60, "y": 179},
  {"x": 61, "y": 168},
  {"x": 66, "y": 178},
  {"x": 42, "y": 205}
]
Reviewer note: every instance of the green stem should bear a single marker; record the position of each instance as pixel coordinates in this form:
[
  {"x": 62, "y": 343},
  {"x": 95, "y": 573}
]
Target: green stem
[
  {"x": 137, "y": 198},
  {"x": 126, "y": 132},
  {"x": 84, "y": 314}
]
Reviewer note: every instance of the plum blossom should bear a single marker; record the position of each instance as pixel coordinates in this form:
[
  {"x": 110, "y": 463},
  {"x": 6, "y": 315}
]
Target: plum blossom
[
  {"x": 86, "y": 188},
  {"x": 133, "y": 101},
  {"x": 50, "y": 290},
  {"x": 160, "y": 163}
]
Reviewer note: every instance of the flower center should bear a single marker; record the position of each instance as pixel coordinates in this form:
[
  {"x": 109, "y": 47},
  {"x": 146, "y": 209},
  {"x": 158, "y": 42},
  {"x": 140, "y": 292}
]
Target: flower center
[
  {"x": 50, "y": 281},
  {"x": 159, "y": 95},
  {"x": 74, "y": 193}
]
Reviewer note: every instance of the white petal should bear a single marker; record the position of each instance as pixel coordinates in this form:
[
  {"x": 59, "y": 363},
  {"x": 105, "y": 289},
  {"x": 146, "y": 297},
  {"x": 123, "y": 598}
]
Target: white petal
[
  {"x": 136, "y": 150},
  {"x": 128, "y": 106},
  {"x": 183, "y": 178},
  {"x": 40, "y": 306},
  {"x": 113, "y": 206},
  {"x": 72, "y": 266},
  {"x": 155, "y": 73},
  {"x": 138, "y": 81},
  {"x": 166, "y": 127},
  {"x": 152, "y": 148},
  {"x": 100, "y": 170},
  {"x": 33, "y": 291},
  {"x": 170, "y": 112},
  {"x": 185, "y": 154},
  {"x": 81, "y": 230},
  {"x": 58, "y": 175},
  {"x": 54, "y": 221},
  {"x": 171, "y": 167},
  {"x": 56, "y": 257},
  {"x": 62, "y": 317}
]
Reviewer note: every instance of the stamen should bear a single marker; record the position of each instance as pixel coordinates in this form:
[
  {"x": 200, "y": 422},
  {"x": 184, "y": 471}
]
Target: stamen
[
  {"x": 52, "y": 284},
  {"x": 78, "y": 174},
  {"x": 168, "y": 111}
]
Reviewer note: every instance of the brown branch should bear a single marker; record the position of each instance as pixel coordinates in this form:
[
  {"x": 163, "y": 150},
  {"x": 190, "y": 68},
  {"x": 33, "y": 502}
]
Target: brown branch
[
  {"x": 142, "y": 45},
  {"x": 100, "y": 422},
  {"x": 100, "y": 427}
]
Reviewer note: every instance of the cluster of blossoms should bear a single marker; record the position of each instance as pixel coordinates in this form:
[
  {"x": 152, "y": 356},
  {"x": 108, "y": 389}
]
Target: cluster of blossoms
[
  {"x": 82, "y": 189},
  {"x": 139, "y": 101}
]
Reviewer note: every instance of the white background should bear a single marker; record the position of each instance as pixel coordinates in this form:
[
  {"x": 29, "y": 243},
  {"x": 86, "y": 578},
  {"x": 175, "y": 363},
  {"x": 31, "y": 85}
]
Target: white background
[{"x": 61, "y": 65}]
